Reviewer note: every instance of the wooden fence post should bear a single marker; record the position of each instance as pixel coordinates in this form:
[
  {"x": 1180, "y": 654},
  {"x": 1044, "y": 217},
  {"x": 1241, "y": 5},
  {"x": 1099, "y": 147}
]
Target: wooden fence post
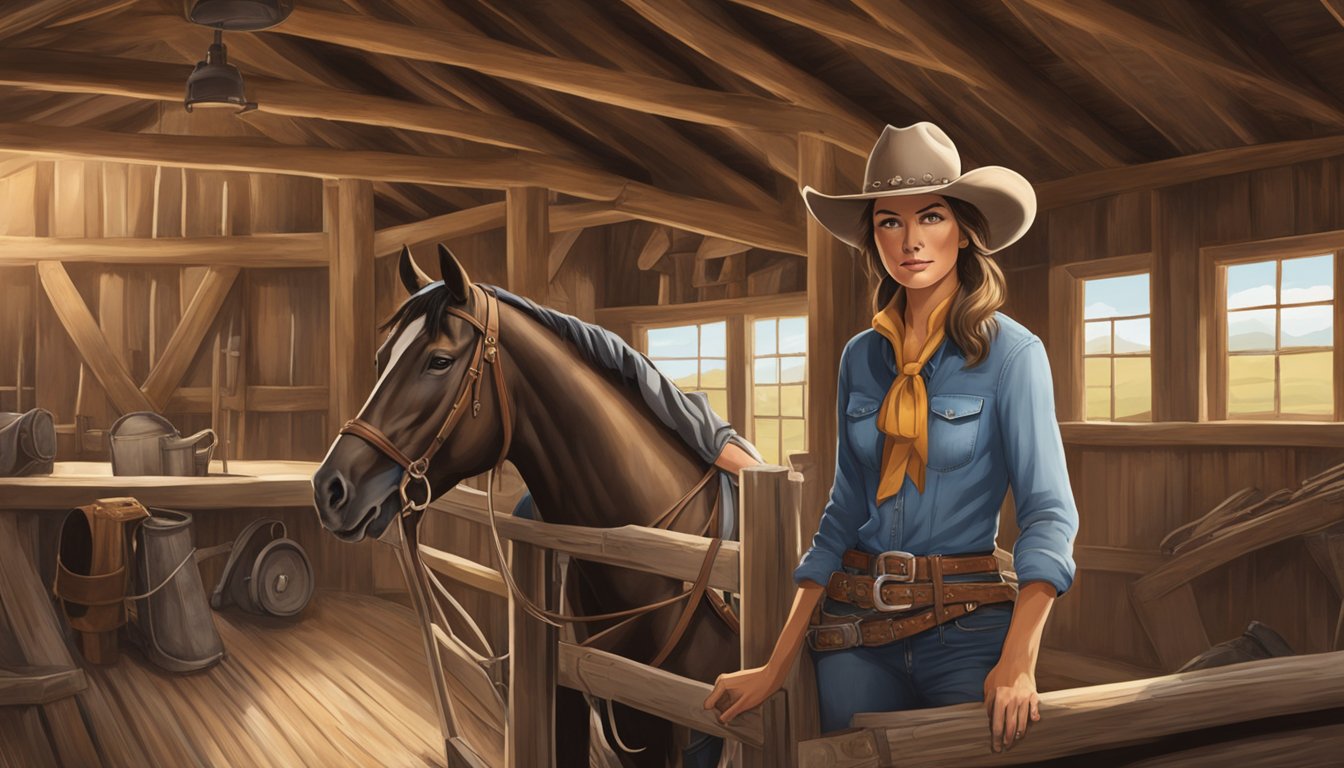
[
  {"x": 770, "y": 508},
  {"x": 529, "y": 739}
]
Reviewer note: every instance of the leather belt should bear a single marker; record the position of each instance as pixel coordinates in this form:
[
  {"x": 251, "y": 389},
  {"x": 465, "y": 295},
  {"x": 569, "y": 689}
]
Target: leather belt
[
  {"x": 904, "y": 566},
  {"x": 865, "y": 592}
]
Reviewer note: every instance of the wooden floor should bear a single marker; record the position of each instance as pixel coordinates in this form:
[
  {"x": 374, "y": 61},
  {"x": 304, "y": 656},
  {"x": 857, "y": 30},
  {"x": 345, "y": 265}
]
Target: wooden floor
[{"x": 346, "y": 685}]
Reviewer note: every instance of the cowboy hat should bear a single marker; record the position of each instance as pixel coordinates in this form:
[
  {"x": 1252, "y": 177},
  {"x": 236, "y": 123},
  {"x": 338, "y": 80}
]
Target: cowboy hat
[{"x": 920, "y": 159}]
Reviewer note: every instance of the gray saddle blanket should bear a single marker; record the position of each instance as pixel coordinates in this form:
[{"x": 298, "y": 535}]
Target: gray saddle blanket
[{"x": 689, "y": 415}]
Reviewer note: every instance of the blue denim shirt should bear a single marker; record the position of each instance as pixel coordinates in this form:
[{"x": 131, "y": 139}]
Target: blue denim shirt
[{"x": 990, "y": 426}]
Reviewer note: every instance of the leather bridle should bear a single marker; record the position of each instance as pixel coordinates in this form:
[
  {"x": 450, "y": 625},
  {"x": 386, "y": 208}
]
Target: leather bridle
[{"x": 484, "y": 352}]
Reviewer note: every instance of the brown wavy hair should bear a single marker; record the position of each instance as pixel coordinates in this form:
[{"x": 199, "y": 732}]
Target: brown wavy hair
[{"x": 970, "y": 322}]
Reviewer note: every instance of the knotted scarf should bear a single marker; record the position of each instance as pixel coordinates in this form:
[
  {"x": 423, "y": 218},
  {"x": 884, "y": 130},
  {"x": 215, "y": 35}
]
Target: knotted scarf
[{"x": 904, "y": 415}]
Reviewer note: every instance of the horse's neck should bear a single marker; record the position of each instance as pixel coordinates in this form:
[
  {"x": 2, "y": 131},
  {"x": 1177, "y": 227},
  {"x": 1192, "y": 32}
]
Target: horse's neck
[{"x": 588, "y": 449}]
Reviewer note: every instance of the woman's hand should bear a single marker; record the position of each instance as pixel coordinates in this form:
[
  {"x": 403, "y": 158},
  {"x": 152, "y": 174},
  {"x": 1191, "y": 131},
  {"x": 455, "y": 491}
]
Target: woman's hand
[
  {"x": 1011, "y": 702},
  {"x": 736, "y": 692}
]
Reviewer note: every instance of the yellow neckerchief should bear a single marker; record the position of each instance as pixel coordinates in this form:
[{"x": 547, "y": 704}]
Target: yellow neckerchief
[{"x": 904, "y": 415}]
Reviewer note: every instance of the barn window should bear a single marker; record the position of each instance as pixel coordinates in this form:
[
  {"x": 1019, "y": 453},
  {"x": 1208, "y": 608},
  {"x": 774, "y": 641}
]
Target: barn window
[
  {"x": 695, "y": 357},
  {"x": 1117, "y": 349},
  {"x": 1277, "y": 338},
  {"x": 779, "y": 386}
]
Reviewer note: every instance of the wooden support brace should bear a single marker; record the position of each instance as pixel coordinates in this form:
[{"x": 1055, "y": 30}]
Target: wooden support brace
[{"x": 186, "y": 340}]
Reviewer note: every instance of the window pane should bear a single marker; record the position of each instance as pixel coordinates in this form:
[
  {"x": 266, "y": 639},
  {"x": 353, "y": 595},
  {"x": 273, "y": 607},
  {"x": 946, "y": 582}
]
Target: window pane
[
  {"x": 792, "y": 436},
  {"x": 1097, "y": 372},
  {"x": 1250, "y": 330},
  {"x": 1250, "y": 285},
  {"x": 792, "y": 369},
  {"x": 683, "y": 372},
  {"x": 1115, "y": 296},
  {"x": 767, "y": 371},
  {"x": 1133, "y": 389},
  {"x": 767, "y": 439},
  {"x": 1131, "y": 337},
  {"x": 1306, "y": 384},
  {"x": 714, "y": 374},
  {"x": 672, "y": 342},
  {"x": 1097, "y": 338},
  {"x": 791, "y": 401},
  {"x": 767, "y": 401},
  {"x": 1097, "y": 381},
  {"x": 718, "y": 400},
  {"x": 792, "y": 335},
  {"x": 1309, "y": 279},
  {"x": 1307, "y": 326},
  {"x": 764, "y": 335},
  {"x": 713, "y": 339},
  {"x": 1250, "y": 385}
]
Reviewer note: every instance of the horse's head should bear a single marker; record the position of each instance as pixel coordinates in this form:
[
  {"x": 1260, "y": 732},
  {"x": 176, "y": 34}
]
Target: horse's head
[{"x": 423, "y": 367}]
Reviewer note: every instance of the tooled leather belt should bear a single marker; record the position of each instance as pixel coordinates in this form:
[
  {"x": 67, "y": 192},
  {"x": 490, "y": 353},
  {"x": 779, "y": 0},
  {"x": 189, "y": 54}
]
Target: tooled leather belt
[{"x": 905, "y": 596}]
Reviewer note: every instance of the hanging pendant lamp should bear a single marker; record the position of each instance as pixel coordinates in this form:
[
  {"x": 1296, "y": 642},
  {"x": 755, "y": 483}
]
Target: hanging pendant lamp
[{"x": 215, "y": 82}]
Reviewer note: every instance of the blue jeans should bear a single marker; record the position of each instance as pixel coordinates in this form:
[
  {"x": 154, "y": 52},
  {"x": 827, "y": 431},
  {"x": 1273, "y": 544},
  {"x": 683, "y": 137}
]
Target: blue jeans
[{"x": 943, "y": 665}]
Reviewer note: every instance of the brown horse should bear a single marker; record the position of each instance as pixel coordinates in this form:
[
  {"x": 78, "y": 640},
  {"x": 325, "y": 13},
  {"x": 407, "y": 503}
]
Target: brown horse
[{"x": 588, "y": 448}]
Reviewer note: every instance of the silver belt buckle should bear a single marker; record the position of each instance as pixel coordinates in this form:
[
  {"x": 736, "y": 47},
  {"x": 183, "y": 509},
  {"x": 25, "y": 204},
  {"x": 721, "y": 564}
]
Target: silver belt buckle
[
  {"x": 849, "y": 631},
  {"x": 880, "y": 566},
  {"x": 883, "y": 605}
]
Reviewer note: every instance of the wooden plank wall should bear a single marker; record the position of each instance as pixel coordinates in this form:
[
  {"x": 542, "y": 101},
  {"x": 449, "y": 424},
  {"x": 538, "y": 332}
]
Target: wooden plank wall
[
  {"x": 1131, "y": 497},
  {"x": 137, "y": 307}
]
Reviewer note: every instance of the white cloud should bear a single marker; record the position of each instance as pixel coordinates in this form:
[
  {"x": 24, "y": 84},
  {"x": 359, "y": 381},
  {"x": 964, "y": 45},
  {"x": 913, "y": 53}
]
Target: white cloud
[
  {"x": 1252, "y": 297},
  {"x": 1100, "y": 309},
  {"x": 1304, "y": 295}
]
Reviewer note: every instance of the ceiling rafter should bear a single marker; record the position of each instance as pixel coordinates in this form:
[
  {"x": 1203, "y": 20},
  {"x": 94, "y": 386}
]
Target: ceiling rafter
[
  {"x": 1121, "y": 26},
  {"x": 623, "y": 89},
  {"x": 764, "y": 229}
]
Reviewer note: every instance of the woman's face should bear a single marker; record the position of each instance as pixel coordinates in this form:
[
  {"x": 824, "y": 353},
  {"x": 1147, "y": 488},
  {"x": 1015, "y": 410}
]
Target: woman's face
[{"x": 917, "y": 238}]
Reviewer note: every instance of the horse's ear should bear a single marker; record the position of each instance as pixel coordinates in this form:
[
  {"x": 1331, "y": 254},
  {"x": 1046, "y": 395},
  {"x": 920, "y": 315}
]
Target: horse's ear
[
  {"x": 411, "y": 276},
  {"x": 454, "y": 276}
]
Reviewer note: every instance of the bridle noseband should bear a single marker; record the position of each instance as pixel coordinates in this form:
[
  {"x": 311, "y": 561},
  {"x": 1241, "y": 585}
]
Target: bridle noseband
[{"x": 485, "y": 352}]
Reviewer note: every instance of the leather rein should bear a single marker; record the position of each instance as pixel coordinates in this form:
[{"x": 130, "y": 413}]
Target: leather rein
[{"x": 486, "y": 352}]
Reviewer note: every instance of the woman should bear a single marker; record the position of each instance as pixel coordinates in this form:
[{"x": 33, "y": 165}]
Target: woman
[{"x": 943, "y": 405}]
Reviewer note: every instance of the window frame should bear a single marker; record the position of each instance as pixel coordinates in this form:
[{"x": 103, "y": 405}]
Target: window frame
[
  {"x": 1067, "y": 337},
  {"x": 1214, "y": 261},
  {"x": 750, "y": 350}
]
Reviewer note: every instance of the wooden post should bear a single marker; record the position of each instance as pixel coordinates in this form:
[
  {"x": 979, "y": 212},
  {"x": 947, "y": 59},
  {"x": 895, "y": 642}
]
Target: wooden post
[
  {"x": 529, "y": 739},
  {"x": 347, "y": 208},
  {"x": 771, "y": 496},
  {"x": 1180, "y": 354},
  {"x": 837, "y": 308},
  {"x": 528, "y": 236}
]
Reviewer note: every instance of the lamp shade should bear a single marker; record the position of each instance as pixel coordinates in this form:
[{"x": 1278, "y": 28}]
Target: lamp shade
[{"x": 216, "y": 82}]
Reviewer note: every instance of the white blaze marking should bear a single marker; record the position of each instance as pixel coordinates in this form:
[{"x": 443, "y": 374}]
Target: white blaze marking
[{"x": 408, "y": 335}]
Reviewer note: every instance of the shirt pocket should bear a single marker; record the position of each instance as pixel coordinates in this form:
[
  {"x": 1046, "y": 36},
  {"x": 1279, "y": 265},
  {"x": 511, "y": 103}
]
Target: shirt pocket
[
  {"x": 861, "y": 426},
  {"x": 954, "y": 426}
]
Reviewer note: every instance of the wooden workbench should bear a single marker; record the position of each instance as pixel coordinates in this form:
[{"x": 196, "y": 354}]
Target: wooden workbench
[{"x": 249, "y": 484}]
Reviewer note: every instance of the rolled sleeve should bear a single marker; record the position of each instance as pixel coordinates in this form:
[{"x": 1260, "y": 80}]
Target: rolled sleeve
[
  {"x": 1047, "y": 516},
  {"x": 846, "y": 510}
]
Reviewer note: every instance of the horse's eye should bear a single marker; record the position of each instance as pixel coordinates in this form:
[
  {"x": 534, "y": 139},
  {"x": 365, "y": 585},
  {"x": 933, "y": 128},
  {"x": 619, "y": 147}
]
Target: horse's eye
[{"x": 440, "y": 363}]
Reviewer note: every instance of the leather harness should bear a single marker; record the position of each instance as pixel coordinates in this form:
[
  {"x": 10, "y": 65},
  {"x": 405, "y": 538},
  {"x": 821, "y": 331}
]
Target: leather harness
[
  {"x": 901, "y": 595},
  {"x": 486, "y": 352}
]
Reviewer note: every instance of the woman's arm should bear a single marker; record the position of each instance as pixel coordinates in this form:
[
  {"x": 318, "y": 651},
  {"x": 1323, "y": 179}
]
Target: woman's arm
[
  {"x": 1010, "y": 687},
  {"x": 736, "y": 692}
]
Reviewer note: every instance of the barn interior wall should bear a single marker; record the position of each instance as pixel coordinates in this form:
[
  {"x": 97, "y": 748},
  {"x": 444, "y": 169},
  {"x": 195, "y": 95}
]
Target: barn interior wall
[
  {"x": 1132, "y": 497},
  {"x": 138, "y": 306}
]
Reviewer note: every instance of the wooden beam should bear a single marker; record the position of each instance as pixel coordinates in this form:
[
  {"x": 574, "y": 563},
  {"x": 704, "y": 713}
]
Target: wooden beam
[
  {"x": 464, "y": 571},
  {"x": 89, "y": 339},
  {"x": 1139, "y": 562},
  {"x": 778, "y": 304},
  {"x": 561, "y": 244},
  {"x": 251, "y": 485},
  {"x": 623, "y": 89},
  {"x": 530, "y": 732},
  {"x": 186, "y": 339},
  {"x": 763, "y": 229},
  {"x": 707, "y": 29},
  {"x": 678, "y": 699},
  {"x": 348, "y": 214},
  {"x": 717, "y": 248},
  {"x": 30, "y": 686},
  {"x": 1181, "y": 170},
  {"x": 483, "y": 218},
  {"x": 1081, "y": 720},
  {"x": 1137, "y": 32},
  {"x": 667, "y": 553},
  {"x": 527, "y": 236},
  {"x": 1204, "y": 434},
  {"x": 62, "y": 72},
  {"x": 852, "y": 28},
  {"x": 234, "y": 251},
  {"x": 653, "y": 250},
  {"x": 255, "y": 398}
]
